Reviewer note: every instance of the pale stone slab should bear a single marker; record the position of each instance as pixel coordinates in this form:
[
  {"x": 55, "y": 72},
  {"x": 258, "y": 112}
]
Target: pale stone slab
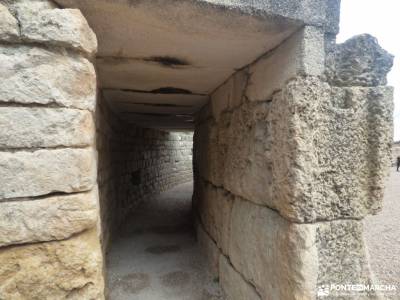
[
  {"x": 54, "y": 218},
  {"x": 8, "y": 25},
  {"x": 302, "y": 53},
  {"x": 278, "y": 257},
  {"x": 233, "y": 284},
  {"x": 28, "y": 174},
  {"x": 38, "y": 76},
  {"x": 70, "y": 269},
  {"x": 60, "y": 27},
  {"x": 33, "y": 127}
]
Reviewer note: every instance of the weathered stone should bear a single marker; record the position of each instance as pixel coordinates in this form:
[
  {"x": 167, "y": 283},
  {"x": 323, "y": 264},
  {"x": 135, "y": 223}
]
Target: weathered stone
[
  {"x": 53, "y": 218},
  {"x": 21, "y": 8},
  {"x": 240, "y": 79},
  {"x": 60, "y": 27},
  {"x": 215, "y": 210},
  {"x": 342, "y": 257},
  {"x": 278, "y": 257},
  {"x": 359, "y": 61},
  {"x": 45, "y": 127},
  {"x": 324, "y": 169},
  {"x": 246, "y": 152},
  {"x": 27, "y": 174},
  {"x": 70, "y": 269},
  {"x": 230, "y": 94},
  {"x": 220, "y": 99},
  {"x": 209, "y": 249},
  {"x": 233, "y": 284},
  {"x": 303, "y": 53},
  {"x": 8, "y": 25},
  {"x": 38, "y": 76}
]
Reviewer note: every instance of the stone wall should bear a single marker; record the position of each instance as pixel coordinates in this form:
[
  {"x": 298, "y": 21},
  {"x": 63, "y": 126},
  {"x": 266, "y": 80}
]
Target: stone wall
[
  {"x": 135, "y": 164},
  {"x": 49, "y": 243},
  {"x": 290, "y": 155}
]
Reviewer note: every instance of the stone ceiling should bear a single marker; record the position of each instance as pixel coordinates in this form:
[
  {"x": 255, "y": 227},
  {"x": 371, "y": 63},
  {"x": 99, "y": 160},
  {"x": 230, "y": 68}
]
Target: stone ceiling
[{"x": 159, "y": 60}]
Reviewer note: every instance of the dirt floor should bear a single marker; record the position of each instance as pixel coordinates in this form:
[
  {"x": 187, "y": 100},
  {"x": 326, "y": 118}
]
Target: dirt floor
[
  {"x": 382, "y": 233},
  {"x": 156, "y": 255}
]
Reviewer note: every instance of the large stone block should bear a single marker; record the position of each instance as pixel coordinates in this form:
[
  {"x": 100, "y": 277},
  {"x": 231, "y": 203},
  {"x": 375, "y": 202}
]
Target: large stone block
[
  {"x": 321, "y": 13},
  {"x": 247, "y": 162},
  {"x": 287, "y": 260},
  {"x": 70, "y": 269},
  {"x": 303, "y": 53},
  {"x": 359, "y": 61},
  {"x": 210, "y": 250},
  {"x": 28, "y": 174},
  {"x": 33, "y": 127},
  {"x": 60, "y": 27},
  {"x": 230, "y": 94},
  {"x": 233, "y": 284},
  {"x": 342, "y": 258},
  {"x": 324, "y": 169},
  {"x": 278, "y": 257},
  {"x": 215, "y": 209},
  {"x": 8, "y": 25},
  {"x": 38, "y": 76},
  {"x": 47, "y": 219}
]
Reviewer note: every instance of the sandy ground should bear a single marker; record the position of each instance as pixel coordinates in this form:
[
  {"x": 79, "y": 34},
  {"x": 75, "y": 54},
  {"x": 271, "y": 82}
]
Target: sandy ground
[
  {"x": 156, "y": 255},
  {"x": 382, "y": 233}
]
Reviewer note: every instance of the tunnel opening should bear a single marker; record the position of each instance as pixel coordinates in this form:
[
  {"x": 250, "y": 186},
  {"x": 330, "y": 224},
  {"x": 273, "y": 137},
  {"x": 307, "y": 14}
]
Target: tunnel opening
[{"x": 149, "y": 240}]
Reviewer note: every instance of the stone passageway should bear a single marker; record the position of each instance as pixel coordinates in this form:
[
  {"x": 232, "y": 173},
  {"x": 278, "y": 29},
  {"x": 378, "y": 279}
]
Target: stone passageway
[{"x": 156, "y": 256}]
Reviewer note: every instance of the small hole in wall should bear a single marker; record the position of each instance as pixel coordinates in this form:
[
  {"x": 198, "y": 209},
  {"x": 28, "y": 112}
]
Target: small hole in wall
[{"x": 136, "y": 177}]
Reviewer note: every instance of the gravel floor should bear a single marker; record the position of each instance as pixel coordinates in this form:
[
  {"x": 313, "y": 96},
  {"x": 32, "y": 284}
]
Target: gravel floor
[
  {"x": 382, "y": 233},
  {"x": 156, "y": 256}
]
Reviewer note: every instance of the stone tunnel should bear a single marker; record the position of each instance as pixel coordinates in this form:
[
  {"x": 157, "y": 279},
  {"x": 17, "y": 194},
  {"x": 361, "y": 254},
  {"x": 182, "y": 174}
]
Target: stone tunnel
[{"x": 99, "y": 101}]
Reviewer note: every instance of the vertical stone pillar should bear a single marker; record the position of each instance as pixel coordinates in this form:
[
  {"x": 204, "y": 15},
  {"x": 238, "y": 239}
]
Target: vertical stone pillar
[
  {"x": 290, "y": 155},
  {"x": 49, "y": 242}
]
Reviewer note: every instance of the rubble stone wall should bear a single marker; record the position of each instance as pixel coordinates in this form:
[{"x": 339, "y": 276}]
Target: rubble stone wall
[
  {"x": 135, "y": 164},
  {"x": 289, "y": 156},
  {"x": 49, "y": 242}
]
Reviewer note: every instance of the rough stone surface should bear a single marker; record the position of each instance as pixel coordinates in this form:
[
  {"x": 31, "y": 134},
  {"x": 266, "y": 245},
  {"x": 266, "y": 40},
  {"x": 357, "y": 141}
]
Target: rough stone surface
[
  {"x": 303, "y": 53},
  {"x": 45, "y": 77},
  {"x": 277, "y": 256},
  {"x": 45, "y": 127},
  {"x": 47, "y": 219},
  {"x": 233, "y": 284},
  {"x": 324, "y": 169},
  {"x": 342, "y": 257},
  {"x": 359, "y": 61},
  {"x": 46, "y": 171},
  {"x": 60, "y": 27},
  {"x": 8, "y": 26},
  {"x": 70, "y": 269}
]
